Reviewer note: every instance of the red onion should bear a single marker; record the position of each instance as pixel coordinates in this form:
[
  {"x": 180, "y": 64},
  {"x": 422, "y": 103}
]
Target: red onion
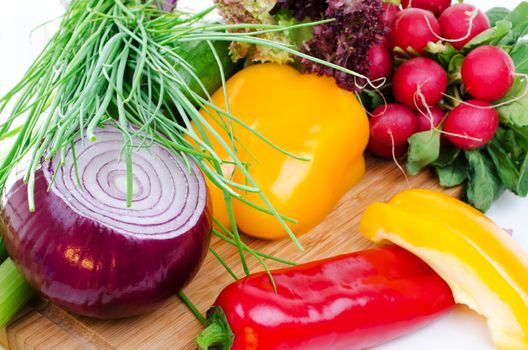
[{"x": 86, "y": 251}]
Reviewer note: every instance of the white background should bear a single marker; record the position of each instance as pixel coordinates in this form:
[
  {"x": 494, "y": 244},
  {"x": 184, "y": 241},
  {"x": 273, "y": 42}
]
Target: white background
[{"x": 459, "y": 330}]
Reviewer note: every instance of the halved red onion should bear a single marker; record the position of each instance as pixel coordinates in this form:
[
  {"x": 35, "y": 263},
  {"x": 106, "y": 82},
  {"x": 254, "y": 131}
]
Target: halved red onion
[{"x": 86, "y": 251}]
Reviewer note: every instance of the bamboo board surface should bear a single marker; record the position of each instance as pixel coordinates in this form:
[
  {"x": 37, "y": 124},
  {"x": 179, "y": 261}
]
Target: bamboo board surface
[{"x": 44, "y": 326}]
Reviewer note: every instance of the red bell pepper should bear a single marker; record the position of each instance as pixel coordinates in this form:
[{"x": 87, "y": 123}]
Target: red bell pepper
[{"x": 353, "y": 301}]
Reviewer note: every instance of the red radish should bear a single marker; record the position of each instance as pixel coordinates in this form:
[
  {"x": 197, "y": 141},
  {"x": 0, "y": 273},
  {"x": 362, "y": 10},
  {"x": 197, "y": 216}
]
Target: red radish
[
  {"x": 390, "y": 12},
  {"x": 435, "y": 6},
  {"x": 386, "y": 151},
  {"x": 488, "y": 73},
  {"x": 411, "y": 30},
  {"x": 472, "y": 124},
  {"x": 392, "y": 124},
  {"x": 428, "y": 122},
  {"x": 457, "y": 20},
  {"x": 417, "y": 80},
  {"x": 381, "y": 62}
]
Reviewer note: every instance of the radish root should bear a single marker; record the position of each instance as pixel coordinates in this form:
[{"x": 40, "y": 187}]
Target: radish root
[
  {"x": 504, "y": 103},
  {"x": 472, "y": 16},
  {"x": 395, "y": 159},
  {"x": 428, "y": 114}
]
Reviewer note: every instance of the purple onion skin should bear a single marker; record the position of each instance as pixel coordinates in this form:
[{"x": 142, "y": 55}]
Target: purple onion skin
[{"x": 91, "y": 269}]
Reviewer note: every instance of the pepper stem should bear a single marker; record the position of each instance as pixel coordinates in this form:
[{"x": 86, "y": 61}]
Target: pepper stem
[{"x": 217, "y": 334}]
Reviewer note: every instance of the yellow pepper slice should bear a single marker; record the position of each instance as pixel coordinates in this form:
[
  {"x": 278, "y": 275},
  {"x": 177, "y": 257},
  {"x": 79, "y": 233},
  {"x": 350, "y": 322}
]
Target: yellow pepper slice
[
  {"x": 483, "y": 265},
  {"x": 306, "y": 115}
]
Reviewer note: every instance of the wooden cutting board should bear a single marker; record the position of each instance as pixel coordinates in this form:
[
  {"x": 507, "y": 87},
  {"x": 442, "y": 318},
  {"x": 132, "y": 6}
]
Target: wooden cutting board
[{"x": 45, "y": 326}]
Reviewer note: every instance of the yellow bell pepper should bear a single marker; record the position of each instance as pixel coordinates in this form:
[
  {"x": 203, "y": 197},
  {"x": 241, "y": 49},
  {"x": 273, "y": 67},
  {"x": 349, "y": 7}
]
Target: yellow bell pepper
[
  {"x": 483, "y": 265},
  {"x": 306, "y": 115}
]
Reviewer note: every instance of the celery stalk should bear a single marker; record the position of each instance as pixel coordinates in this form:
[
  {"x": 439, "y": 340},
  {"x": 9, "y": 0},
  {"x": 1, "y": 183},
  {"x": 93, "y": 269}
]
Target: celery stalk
[{"x": 15, "y": 292}]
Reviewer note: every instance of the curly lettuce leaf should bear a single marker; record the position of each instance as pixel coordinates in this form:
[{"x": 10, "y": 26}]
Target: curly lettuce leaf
[
  {"x": 357, "y": 25},
  {"x": 257, "y": 12}
]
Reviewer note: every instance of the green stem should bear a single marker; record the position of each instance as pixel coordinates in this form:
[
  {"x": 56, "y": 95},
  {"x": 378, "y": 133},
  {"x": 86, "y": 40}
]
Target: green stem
[
  {"x": 15, "y": 292},
  {"x": 217, "y": 335},
  {"x": 191, "y": 307},
  {"x": 3, "y": 251}
]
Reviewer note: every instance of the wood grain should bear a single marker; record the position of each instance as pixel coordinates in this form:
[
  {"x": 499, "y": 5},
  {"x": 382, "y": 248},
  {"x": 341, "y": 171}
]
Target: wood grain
[{"x": 172, "y": 326}]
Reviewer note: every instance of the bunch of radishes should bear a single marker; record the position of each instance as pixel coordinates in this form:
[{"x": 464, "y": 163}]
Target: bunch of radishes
[{"x": 419, "y": 99}]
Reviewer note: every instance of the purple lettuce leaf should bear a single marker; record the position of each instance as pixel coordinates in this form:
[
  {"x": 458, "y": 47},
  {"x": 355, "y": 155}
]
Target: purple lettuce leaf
[
  {"x": 302, "y": 9},
  {"x": 346, "y": 41}
]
